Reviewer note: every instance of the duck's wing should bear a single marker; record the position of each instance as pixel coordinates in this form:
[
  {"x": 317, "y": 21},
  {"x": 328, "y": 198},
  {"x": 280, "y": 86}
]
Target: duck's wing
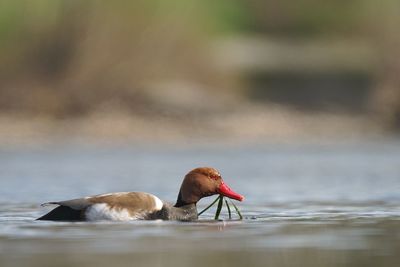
[
  {"x": 76, "y": 204},
  {"x": 115, "y": 206}
]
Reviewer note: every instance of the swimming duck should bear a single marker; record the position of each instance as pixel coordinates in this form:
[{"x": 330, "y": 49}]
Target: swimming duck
[{"x": 126, "y": 206}]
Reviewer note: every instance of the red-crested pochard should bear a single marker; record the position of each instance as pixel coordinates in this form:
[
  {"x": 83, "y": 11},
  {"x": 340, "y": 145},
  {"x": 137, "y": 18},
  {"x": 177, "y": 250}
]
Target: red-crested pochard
[{"x": 124, "y": 206}]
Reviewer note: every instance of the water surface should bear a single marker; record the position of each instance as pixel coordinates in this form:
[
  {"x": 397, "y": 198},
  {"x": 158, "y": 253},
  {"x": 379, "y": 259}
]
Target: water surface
[{"x": 306, "y": 205}]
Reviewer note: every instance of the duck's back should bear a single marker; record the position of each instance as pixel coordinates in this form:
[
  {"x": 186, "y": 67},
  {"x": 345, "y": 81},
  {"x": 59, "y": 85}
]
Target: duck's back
[{"x": 121, "y": 206}]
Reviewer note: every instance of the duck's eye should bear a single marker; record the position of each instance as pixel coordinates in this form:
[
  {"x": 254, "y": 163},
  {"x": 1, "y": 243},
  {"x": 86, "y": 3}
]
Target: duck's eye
[{"x": 215, "y": 176}]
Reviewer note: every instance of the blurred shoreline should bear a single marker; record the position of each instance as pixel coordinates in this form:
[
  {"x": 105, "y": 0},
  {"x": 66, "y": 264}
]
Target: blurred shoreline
[{"x": 246, "y": 125}]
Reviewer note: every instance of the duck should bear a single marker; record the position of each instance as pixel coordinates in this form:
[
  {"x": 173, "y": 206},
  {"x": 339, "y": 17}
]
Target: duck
[{"x": 127, "y": 206}]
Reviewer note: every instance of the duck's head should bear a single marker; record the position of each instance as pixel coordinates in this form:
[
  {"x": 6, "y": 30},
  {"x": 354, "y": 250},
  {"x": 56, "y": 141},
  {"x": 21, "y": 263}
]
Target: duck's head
[{"x": 203, "y": 182}]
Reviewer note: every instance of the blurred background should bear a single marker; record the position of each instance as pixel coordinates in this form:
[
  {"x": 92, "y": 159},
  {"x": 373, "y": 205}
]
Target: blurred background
[
  {"x": 184, "y": 71},
  {"x": 296, "y": 103}
]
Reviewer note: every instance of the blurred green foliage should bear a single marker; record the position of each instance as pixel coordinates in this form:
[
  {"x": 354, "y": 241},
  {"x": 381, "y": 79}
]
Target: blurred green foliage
[
  {"x": 69, "y": 56},
  {"x": 308, "y": 17}
]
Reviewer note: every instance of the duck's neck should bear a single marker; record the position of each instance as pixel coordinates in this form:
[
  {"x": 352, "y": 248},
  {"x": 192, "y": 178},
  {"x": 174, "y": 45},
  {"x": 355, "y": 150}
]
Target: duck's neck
[
  {"x": 179, "y": 201},
  {"x": 183, "y": 210}
]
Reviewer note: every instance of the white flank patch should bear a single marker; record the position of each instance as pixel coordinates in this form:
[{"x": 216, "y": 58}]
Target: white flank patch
[
  {"x": 102, "y": 211},
  {"x": 159, "y": 203}
]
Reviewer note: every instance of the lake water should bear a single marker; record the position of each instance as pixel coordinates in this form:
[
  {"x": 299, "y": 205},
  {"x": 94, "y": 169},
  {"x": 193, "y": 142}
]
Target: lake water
[{"x": 306, "y": 205}]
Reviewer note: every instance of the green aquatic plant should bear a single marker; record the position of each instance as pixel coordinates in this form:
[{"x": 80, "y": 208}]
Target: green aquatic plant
[
  {"x": 221, "y": 201},
  {"x": 229, "y": 209}
]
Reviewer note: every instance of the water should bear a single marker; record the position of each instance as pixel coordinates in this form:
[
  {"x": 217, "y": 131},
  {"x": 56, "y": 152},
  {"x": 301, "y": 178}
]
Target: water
[{"x": 306, "y": 205}]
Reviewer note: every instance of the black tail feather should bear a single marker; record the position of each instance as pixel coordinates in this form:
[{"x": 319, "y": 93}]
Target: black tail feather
[{"x": 63, "y": 213}]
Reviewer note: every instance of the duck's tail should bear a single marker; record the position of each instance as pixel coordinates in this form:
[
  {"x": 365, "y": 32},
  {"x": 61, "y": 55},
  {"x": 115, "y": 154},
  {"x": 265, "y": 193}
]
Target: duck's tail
[{"x": 62, "y": 213}]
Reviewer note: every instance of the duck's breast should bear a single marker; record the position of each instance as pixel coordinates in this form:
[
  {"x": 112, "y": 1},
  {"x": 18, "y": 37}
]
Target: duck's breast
[{"x": 122, "y": 206}]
